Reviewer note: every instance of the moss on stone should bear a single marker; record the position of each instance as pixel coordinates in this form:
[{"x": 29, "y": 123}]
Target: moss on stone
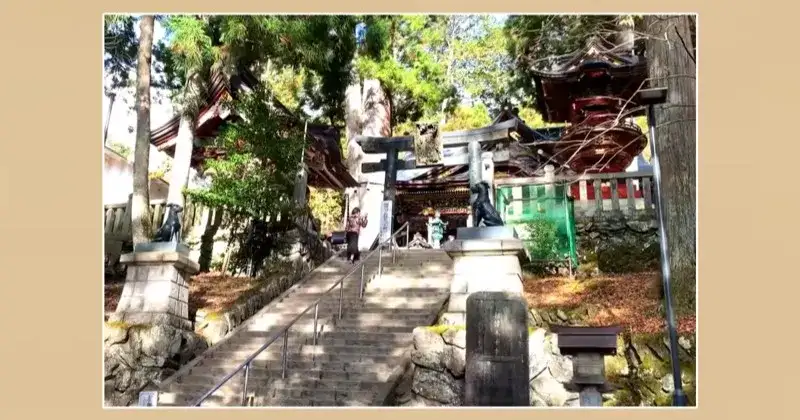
[
  {"x": 443, "y": 328},
  {"x": 122, "y": 325},
  {"x": 212, "y": 316},
  {"x": 117, "y": 324},
  {"x": 616, "y": 366}
]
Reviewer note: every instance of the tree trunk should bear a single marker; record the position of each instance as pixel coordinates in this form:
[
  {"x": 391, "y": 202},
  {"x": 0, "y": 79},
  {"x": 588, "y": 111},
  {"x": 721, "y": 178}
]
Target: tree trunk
[
  {"x": 184, "y": 143},
  {"x": 671, "y": 66},
  {"x": 140, "y": 203},
  {"x": 355, "y": 155}
]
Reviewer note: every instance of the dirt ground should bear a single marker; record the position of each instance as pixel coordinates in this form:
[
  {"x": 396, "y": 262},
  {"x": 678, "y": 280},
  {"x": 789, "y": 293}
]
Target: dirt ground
[
  {"x": 211, "y": 291},
  {"x": 632, "y": 301}
]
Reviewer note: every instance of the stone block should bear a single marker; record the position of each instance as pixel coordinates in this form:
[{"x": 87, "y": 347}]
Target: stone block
[
  {"x": 138, "y": 288},
  {"x": 127, "y": 290},
  {"x": 486, "y": 232},
  {"x": 457, "y": 302},
  {"x": 511, "y": 283},
  {"x": 183, "y": 294},
  {"x": 162, "y": 304},
  {"x": 459, "y": 284},
  {"x": 453, "y": 318},
  {"x": 486, "y": 265},
  {"x": 157, "y": 287},
  {"x": 161, "y": 247},
  {"x": 136, "y": 303},
  {"x": 484, "y": 247}
]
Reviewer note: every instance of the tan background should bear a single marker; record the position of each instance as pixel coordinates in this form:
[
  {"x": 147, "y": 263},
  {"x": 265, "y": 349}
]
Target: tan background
[{"x": 51, "y": 295}]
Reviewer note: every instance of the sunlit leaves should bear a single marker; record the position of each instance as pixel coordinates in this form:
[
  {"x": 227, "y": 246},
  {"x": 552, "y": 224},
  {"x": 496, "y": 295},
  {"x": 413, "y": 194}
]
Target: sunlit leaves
[
  {"x": 262, "y": 154},
  {"x": 190, "y": 41}
]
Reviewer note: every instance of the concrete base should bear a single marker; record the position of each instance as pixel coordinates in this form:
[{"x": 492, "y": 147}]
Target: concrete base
[
  {"x": 481, "y": 265},
  {"x": 486, "y": 232},
  {"x": 161, "y": 247},
  {"x": 156, "y": 289}
]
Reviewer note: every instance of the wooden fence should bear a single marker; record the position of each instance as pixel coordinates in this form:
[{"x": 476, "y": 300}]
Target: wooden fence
[
  {"x": 118, "y": 218},
  {"x": 594, "y": 194}
]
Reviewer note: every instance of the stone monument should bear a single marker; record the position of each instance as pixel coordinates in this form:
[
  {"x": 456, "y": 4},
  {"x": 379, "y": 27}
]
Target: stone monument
[
  {"x": 156, "y": 289},
  {"x": 485, "y": 257}
]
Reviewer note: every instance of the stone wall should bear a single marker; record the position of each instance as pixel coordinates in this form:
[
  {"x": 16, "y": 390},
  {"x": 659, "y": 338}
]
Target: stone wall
[
  {"x": 300, "y": 260},
  {"x": 138, "y": 355},
  {"x": 437, "y": 374},
  {"x": 639, "y": 375},
  {"x": 614, "y": 242}
]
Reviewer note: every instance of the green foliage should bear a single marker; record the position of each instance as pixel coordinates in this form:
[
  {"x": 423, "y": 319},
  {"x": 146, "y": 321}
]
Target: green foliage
[
  {"x": 122, "y": 149},
  {"x": 262, "y": 153},
  {"x": 533, "y": 118},
  {"x": 642, "y": 123},
  {"x": 287, "y": 85},
  {"x": 327, "y": 206},
  {"x": 320, "y": 48},
  {"x": 403, "y": 53},
  {"x": 162, "y": 170},
  {"x": 120, "y": 47},
  {"x": 120, "y": 54},
  {"x": 481, "y": 66},
  {"x": 543, "y": 241},
  {"x": 466, "y": 118}
]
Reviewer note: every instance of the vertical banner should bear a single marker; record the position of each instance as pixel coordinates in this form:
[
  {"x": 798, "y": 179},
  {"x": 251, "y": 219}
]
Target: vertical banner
[{"x": 386, "y": 220}]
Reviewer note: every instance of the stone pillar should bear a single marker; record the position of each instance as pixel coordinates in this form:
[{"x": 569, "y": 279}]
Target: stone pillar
[
  {"x": 487, "y": 173},
  {"x": 376, "y": 123},
  {"x": 156, "y": 289},
  {"x": 550, "y": 178},
  {"x": 474, "y": 149},
  {"x": 482, "y": 264}
]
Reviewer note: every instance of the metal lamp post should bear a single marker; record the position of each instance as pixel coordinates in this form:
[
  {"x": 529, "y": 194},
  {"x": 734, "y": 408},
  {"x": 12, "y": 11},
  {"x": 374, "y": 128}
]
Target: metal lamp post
[{"x": 651, "y": 97}]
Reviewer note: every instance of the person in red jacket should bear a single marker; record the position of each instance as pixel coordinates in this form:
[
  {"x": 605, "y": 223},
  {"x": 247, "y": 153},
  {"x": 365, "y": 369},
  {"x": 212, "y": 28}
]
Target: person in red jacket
[{"x": 354, "y": 224}]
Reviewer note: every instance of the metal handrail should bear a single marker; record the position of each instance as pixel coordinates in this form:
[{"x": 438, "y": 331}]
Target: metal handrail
[{"x": 246, "y": 365}]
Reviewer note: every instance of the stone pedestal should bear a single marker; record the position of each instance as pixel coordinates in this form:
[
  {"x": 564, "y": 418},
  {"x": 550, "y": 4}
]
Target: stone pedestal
[
  {"x": 488, "y": 263},
  {"x": 156, "y": 289}
]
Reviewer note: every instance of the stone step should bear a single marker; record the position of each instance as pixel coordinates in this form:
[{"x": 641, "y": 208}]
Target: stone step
[
  {"x": 303, "y": 354},
  {"x": 294, "y": 345},
  {"x": 264, "y": 379},
  {"x": 356, "y": 328},
  {"x": 229, "y": 401},
  {"x": 408, "y": 291},
  {"x": 374, "y": 303},
  {"x": 353, "y": 357},
  {"x": 334, "y": 340},
  {"x": 298, "y": 367},
  {"x": 334, "y": 372},
  {"x": 233, "y": 390},
  {"x": 335, "y": 335},
  {"x": 386, "y": 319}
]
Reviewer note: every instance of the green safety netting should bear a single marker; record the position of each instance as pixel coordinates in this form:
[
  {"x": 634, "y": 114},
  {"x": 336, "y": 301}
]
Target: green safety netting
[{"x": 544, "y": 218}]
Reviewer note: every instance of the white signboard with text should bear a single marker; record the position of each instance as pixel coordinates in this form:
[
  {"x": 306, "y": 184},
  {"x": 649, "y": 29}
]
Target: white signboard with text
[{"x": 386, "y": 220}]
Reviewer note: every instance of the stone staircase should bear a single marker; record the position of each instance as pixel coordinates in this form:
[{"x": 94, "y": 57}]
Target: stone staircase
[{"x": 357, "y": 359}]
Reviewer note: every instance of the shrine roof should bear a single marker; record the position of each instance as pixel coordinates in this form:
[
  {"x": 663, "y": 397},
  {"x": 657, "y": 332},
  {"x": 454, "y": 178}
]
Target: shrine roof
[
  {"x": 323, "y": 154},
  {"x": 566, "y": 79},
  {"x": 596, "y": 53}
]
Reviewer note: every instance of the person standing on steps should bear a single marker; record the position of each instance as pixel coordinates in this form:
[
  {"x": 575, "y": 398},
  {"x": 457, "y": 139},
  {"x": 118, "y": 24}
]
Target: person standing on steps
[{"x": 354, "y": 224}]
